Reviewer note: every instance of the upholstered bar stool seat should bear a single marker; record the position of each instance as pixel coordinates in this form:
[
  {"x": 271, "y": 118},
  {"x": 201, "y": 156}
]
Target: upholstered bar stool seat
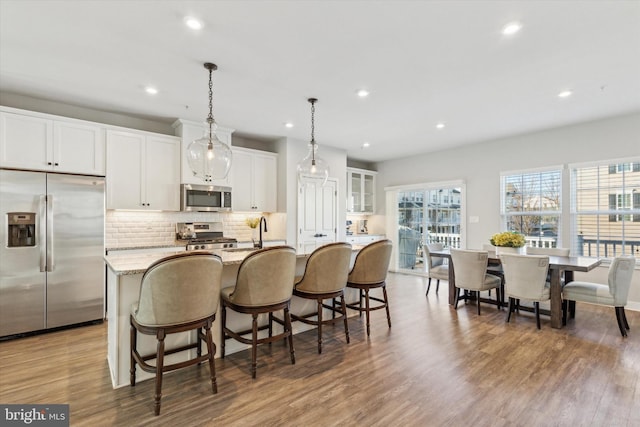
[
  {"x": 178, "y": 293},
  {"x": 264, "y": 285},
  {"x": 325, "y": 277},
  {"x": 370, "y": 272}
]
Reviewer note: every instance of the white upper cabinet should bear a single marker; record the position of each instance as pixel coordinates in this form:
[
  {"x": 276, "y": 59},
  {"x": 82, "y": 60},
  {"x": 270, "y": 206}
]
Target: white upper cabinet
[
  {"x": 188, "y": 132},
  {"x": 143, "y": 171},
  {"x": 254, "y": 178},
  {"x": 37, "y": 142},
  {"x": 361, "y": 191}
]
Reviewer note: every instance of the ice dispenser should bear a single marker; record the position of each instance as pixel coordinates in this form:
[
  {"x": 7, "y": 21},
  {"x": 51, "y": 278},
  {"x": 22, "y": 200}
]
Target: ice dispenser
[{"x": 22, "y": 229}]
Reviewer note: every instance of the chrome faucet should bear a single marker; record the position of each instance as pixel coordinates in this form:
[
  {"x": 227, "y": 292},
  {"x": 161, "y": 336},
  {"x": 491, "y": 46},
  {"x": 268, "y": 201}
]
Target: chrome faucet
[{"x": 260, "y": 243}]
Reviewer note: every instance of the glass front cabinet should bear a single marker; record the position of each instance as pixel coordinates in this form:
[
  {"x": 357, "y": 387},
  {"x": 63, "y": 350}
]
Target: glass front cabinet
[{"x": 361, "y": 191}]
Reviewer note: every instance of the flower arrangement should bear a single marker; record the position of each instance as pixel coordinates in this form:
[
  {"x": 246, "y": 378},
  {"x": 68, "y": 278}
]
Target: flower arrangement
[
  {"x": 508, "y": 239},
  {"x": 252, "y": 222}
]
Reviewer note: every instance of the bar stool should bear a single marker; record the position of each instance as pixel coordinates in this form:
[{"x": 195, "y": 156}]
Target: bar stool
[
  {"x": 264, "y": 285},
  {"x": 325, "y": 277},
  {"x": 178, "y": 293},
  {"x": 369, "y": 272}
]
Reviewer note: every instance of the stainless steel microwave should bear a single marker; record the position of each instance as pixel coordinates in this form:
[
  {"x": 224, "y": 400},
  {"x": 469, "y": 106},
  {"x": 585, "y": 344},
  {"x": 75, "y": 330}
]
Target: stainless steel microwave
[{"x": 205, "y": 198}]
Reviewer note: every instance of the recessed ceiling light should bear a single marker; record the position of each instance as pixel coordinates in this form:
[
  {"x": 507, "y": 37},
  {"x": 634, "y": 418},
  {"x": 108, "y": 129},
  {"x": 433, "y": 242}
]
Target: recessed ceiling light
[
  {"x": 288, "y": 125},
  {"x": 193, "y": 23},
  {"x": 151, "y": 90},
  {"x": 565, "y": 94},
  {"x": 511, "y": 28},
  {"x": 366, "y": 145},
  {"x": 362, "y": 93},
  {"x": 440, "y": 126}
]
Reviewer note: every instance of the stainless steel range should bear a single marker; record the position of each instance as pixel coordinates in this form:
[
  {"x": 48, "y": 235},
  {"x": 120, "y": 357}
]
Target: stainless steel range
[{"x": 204, "y": 236}]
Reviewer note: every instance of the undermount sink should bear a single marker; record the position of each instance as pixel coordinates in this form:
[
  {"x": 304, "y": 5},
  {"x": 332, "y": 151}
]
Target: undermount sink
[{"x": 240, "y": 250}]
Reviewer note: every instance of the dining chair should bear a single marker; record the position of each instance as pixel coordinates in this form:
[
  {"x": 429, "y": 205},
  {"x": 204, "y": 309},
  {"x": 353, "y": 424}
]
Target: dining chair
[
  {"x": 325, "y": 277},
  {"x": 436, "y": 267},
  {"x": 613, "y": 294},
  {"x": 551, "y": 252},
  {"x": 178, "y": 293},
  {"x": 370, "y": 272},
  {"x": 470, "y": 268},
  {"x": 548, "y": 251},
  {"x": 264, "y": 284},
  {"x": 525, "y": 277}
]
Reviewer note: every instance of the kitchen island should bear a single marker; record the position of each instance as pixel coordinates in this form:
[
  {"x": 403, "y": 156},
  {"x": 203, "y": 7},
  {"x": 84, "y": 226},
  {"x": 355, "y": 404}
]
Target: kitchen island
[{"x": 124, "y": 274}]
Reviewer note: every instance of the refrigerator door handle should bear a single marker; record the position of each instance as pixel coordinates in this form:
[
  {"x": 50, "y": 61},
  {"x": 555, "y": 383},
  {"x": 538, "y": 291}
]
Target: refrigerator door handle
[
  {"x": 50, "y": 258},
  {"x": 42, "y": 238}
]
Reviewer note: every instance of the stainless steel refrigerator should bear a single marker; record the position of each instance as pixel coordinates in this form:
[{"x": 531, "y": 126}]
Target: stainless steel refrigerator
[{"x": 51, "y": 250}]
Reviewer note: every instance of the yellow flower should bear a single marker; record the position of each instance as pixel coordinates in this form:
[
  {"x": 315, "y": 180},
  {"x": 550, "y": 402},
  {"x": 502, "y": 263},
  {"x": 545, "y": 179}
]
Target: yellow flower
[
  {"x": 252, "y": 222},
  {"x": 508, "y": 239}
]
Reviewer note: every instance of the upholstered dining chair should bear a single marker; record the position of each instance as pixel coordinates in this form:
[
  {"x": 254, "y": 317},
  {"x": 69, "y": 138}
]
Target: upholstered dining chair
[
  {"x": 264, "y": 285},
  {"x": 436, "y": 267},
  {"x": 370, "y": 272},
  {"x": 613, "y": 294},
  {"x": 325, "y": 277},
  {"x": 548, "y": 251},
  {"x": 525, "y": 277},
  {"x": 178, "y": 293},
  {"x": 471, "y": 274}
]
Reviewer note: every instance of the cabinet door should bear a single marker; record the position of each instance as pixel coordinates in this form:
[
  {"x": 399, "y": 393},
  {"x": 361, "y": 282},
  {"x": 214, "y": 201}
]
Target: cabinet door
[
  {"x": 242, "y": 181},
  {"x": 125, "y": 170},
  {"x": 26, "y": 142},
  {"x": 265, "y": 183},
  {"x": 162, "y": 183},
  {"x": 78, "y": 148},
  {"x": 368, "y": 193},
  {"x": 356, "y": 192}
]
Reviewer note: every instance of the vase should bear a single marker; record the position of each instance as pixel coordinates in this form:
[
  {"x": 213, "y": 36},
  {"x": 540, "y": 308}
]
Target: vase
[{"x": 501, "y": 250}]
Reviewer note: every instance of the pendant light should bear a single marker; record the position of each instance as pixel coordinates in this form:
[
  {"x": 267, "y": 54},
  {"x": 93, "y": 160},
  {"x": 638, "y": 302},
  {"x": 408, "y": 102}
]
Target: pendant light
[
  {"x": 208, "y": 157},
  {"x": 312, "y": 167}
]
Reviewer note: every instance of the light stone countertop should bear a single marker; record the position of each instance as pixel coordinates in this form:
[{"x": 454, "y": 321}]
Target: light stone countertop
[{"x": 123, "y": 263}]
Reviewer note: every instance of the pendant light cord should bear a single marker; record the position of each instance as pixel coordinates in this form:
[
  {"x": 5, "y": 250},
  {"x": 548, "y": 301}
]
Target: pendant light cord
[{"x": 313, "y": 139}]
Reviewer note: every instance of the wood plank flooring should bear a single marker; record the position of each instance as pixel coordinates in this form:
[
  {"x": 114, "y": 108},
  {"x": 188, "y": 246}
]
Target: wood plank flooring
[{"x": 434, "y": 367}]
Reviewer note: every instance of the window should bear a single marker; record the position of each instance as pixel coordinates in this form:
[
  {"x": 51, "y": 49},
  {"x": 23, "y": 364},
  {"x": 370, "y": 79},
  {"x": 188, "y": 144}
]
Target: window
[
  {"x": 605, "y": 209},
  {"x": 531, "y": 205}
]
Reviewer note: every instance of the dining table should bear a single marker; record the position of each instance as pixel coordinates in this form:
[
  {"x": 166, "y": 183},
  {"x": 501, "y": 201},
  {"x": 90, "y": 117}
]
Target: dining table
[{"x": 559, "y": 267}]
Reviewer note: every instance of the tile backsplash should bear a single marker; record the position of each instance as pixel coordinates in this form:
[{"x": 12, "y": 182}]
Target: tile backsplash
[{"x": 131, "y": 229}]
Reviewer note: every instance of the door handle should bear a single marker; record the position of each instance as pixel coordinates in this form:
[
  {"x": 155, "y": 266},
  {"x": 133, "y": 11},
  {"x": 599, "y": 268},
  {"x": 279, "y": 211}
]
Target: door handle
[
  {"x": 319, "y": 235},
  {"x": 42, "y": 237},
  {"x": 50, "y": 257}
]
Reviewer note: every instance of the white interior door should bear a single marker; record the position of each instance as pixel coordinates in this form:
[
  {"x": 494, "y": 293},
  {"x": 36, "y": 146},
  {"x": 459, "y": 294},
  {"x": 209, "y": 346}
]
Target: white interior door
[{"x": 317, "y": 214}]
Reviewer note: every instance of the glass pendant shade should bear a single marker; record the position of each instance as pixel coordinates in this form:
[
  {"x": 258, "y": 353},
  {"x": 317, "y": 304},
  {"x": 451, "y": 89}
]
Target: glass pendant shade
[
  {"x": 208, "y": 157},
  {"x": 312, "y": 168}
]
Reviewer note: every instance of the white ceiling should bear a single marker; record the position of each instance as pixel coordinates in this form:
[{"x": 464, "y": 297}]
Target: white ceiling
[{"x": 424, "y": 62}]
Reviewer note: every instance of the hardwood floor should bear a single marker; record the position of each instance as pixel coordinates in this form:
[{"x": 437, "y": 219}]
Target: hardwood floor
[{"x": 434, "y": 367}]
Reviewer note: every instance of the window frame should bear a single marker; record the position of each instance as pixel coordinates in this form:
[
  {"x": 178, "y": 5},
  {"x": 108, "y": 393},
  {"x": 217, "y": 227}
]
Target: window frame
[
  {"x": 615, "y": 213},
  {"x": 506, "y": 215}
]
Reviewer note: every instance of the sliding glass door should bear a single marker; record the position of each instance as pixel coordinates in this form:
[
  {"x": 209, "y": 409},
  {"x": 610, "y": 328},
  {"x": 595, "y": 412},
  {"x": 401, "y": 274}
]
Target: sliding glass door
[{"x": 425, "y": 216}]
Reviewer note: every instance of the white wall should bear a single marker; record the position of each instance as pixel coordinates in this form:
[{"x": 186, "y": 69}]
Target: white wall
[{"x": 479, "y": 165}]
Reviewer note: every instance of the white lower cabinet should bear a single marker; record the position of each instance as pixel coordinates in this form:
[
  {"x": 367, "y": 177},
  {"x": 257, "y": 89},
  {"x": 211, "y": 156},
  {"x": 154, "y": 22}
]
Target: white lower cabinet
[
  {"x": 364, "y": 239},
  {"x": 254, "y": 180},
  {"x": 143, "y": 171}
]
